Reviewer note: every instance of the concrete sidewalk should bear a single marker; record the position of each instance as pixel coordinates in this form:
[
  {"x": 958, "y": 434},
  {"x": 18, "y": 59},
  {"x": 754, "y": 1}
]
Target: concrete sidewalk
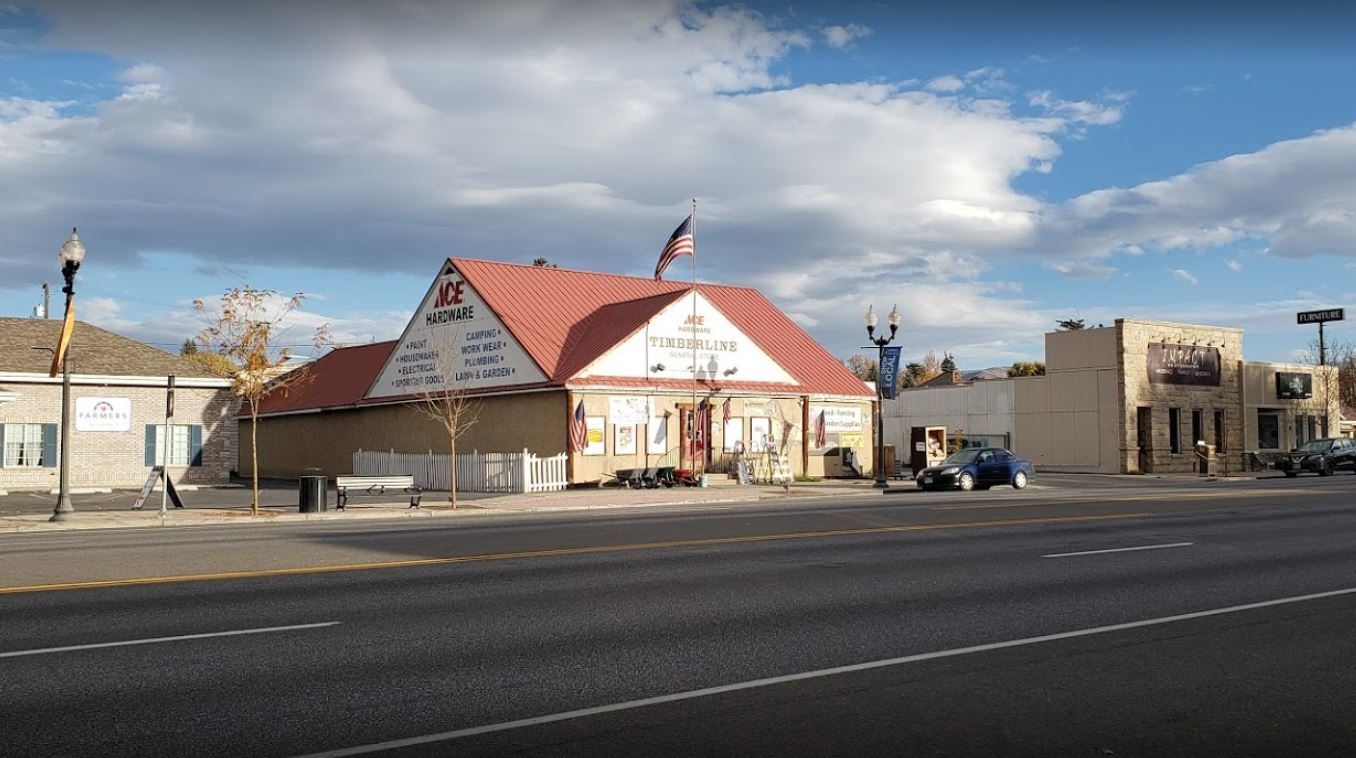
[{"x": 433, "y": 507}]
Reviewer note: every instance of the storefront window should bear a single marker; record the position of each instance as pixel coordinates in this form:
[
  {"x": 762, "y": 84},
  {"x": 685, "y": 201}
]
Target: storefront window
[
  {"x": 1268, "y": 430},
  {"x": 1174, "y": 431},
  {"x": 1219, "y": 431},
  {"x": 1197, "y": 426}
]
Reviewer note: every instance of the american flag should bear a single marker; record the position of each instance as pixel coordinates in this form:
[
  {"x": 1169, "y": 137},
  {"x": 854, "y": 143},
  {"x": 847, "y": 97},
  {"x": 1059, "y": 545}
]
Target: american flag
[
  {"x": 703, "y": 421},
  {"x": 680, "y": 243},
  {"x": 821, "y": 431},
  {"x": 579, "y": 434}
]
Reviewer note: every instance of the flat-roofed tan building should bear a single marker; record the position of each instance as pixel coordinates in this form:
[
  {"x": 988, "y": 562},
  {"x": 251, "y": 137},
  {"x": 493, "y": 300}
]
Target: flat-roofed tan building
[{"x": 1134, "y": 397}]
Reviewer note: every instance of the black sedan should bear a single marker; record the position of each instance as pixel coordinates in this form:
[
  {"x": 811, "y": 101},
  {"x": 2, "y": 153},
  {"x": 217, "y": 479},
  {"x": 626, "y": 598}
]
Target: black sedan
[
  {"x": 977, "y": 468},
  {"x": 1322, "y": 457}
]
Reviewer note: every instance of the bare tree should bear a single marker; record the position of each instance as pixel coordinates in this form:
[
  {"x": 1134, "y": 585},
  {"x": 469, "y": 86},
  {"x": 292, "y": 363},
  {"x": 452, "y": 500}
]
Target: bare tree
[
  {"x": 244, "y": 331},
  {"x": 1070, "y": 324},
  {"x": 863, "y": 367},
  {"x": 453, "y": 407}
]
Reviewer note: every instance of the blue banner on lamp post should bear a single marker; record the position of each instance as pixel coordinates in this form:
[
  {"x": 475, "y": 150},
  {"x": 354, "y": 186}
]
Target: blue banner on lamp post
[{"x": 888, "y": 375}]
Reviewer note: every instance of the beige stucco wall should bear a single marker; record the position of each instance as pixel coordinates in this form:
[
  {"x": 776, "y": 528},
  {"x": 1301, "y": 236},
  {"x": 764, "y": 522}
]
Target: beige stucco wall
[
  {"x": 1133, "y": 339},
  {"x": 118, "y": 459},
  {"x": 785, "y": 416},
  {"x": 1066, "y": 421},
  {"x": 1259, "y": 392},
  {"x": 289, "y": 445},
  {"x": 1080, "y": 349}
]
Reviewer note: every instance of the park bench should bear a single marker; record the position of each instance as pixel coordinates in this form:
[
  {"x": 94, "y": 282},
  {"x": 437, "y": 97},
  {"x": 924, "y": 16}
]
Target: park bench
[{"x": 376, "y": 485}]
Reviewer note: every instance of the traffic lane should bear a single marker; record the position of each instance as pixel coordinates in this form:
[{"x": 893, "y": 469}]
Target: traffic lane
[
  {"x": 518, "y": 640},
  {"x": 1265, "y": 682},
  {"x": 44, "y": 559},
  {"x": 273, "y": 495}
]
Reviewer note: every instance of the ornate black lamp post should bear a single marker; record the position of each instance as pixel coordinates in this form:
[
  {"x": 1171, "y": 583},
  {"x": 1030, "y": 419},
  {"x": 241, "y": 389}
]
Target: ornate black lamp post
[
  {"x": 72, "y": 253},
  {"x": 880, "y": 343}
]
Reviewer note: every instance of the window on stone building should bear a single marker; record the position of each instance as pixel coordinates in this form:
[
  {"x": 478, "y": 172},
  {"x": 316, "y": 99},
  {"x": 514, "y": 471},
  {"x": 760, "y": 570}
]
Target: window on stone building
[
  {"x": 28, "y": 445},
  {"x": 1219, "y": 431},
  {"x": 1197, "y": 426},
  {"x": 1174, "y": 431}
]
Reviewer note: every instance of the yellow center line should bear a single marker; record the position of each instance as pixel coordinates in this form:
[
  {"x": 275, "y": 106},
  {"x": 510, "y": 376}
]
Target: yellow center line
[
  {"x": 1127, "y": 499},
  {"x": 555, "y": 552}
]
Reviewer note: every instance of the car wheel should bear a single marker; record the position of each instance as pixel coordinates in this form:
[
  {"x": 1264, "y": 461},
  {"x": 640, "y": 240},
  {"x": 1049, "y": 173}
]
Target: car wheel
[
  {"x": 1291, "y": 474},
  {"x": 1326, "y": 469},
  {"x": 1019, "y": 480},
  {"x": 966, "y": 481}
]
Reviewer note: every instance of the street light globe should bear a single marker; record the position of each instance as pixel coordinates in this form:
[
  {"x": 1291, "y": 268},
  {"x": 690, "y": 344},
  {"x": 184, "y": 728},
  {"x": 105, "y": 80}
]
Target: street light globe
[
  {"x": 72, "y": 250},
  {"x": 871, "y": 319},
  {"x": 894, "y": 317}
]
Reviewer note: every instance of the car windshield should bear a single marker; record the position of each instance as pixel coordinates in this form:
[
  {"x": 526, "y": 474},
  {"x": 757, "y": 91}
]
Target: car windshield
[
  {"x": 963, "y": 456},
  {"x": 1315, "y": 446}
]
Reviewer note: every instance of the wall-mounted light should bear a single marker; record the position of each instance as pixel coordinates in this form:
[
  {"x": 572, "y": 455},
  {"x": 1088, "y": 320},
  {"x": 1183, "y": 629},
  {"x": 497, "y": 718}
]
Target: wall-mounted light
[
  {"x": 656, "y": 368},
  {"x": 731, "y": 371}
]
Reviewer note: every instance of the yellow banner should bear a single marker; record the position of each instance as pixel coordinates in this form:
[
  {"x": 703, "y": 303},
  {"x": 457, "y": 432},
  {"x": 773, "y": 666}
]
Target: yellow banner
[{"x": 64, "y": 341}]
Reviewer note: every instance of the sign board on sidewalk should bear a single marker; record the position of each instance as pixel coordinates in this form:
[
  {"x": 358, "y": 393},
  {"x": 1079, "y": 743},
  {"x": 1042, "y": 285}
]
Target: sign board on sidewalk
[
  {"x": 1316, "y": 317},
  {"x": 156, "y": 473}
]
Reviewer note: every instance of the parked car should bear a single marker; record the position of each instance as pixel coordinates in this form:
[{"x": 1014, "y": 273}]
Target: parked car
[
  {"x": 1322, "y": 457},
  {"x": 977, "y": 468}
]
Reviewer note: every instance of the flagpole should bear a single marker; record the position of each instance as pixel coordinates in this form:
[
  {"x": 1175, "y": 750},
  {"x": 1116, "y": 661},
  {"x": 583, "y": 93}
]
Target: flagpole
[{"x": 696, "y": 471}]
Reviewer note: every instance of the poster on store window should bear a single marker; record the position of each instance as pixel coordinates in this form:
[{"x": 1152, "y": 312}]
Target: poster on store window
[
  {"x": 624, "y": 442},
  {"x": 1294, "y": 386},
  {"x": 595, "y": 438},
  {"x": 657, "y": 436}
]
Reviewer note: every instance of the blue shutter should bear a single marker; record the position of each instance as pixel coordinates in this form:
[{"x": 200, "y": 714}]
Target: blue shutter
[
  {"x": 195, "y": 444},
  {"x": 2, "y": 445},
  {"x": 150, "y": 444},
  {"x": 49, "y": 445}
]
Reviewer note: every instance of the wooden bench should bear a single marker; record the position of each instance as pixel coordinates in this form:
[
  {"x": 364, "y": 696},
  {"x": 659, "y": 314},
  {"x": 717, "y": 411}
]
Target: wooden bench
[{"x": 376, "y": 485}]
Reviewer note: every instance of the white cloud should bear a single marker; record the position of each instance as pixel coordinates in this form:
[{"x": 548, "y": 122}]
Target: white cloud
[
  {"x": 948, "y": 83},
  {"x": 1297, "y": 197},
  {"x": 1198, "y": 88},
  {"x": 351, "y": 136},
  {"x": 1234, "y": 264},
  {"x": 1184, "y": 276},
  {"x": 1078, "y": 111},
  {"x": 841, "y": 36},
  {"x": 1080, "y": 269}
]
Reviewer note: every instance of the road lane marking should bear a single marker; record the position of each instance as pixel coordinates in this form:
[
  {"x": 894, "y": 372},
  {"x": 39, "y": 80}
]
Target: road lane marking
[
  {"x": 1084, "y": 499},
  {"x": 1119, "y": 550},
  {"x": 806, "y": 675},
  {"x": 156, "y": 640},
  {"x": 564, "y": 552}
]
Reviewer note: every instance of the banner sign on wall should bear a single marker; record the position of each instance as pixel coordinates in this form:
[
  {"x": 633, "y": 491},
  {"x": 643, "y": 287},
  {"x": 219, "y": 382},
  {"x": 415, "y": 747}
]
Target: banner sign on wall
[
  {"x": 839, "y": 419},
  {"x": 628, "y": 409},
  {"x": 888, "y": 376},
  {"x": 1292, "y": 386},
  {"x": 1184, "y": 364},
  {"x": 103, "y": 414}
]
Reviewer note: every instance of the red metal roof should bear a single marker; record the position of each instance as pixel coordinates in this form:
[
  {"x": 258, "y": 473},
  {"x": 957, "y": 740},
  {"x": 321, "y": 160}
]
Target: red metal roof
[
  {"x": 338, "y": 378},
  {"x": 566, "y": 319}
]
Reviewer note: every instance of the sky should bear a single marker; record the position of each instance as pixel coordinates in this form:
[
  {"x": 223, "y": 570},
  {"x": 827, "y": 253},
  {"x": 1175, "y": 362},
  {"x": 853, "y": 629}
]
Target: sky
[{"x": 990, "y": 168}]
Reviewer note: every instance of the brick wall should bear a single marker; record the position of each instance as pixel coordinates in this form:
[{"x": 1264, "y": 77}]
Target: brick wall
[{"x": 118, "y": 459}]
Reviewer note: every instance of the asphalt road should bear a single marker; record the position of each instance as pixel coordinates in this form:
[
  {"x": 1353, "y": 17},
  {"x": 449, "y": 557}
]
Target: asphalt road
[{"x": 604, "y": 633}]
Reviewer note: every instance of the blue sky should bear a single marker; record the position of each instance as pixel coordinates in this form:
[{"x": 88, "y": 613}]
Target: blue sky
[{"x": 990, "y": 167}]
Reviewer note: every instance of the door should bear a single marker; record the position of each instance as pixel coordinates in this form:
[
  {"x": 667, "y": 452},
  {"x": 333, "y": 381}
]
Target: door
[
  {"x": 991, "y": 469},
  {"x": 1144, "y": 434}
]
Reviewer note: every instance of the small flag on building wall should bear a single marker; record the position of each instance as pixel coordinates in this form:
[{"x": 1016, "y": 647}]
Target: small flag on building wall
[
  {"x": 578, "y": 429},
  {"x": 821, "y": 431},
  {"x": 680, "y": 243},
  {"x": 725, "y": 413}
]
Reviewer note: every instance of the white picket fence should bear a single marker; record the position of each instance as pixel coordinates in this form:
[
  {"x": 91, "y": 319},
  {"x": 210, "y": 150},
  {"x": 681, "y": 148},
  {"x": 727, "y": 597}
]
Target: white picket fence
[{"x": 476, "y": 471}]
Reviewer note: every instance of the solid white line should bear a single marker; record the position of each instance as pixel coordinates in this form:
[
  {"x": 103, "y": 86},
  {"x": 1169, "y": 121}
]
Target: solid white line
[
  {"x": 757, "y": 683},
  {"x": 154, "y": 640},
  {"x": 1119, "y": 550}
]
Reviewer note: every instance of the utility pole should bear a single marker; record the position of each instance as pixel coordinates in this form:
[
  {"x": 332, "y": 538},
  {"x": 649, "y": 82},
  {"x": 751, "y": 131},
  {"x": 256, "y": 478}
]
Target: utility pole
[
  {"x": 1320, "y": 318},
  {"x": 46, "y": 300}
]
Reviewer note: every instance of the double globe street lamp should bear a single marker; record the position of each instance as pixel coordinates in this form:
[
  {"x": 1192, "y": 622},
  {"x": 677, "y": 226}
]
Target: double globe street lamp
[
  {"x": 71, "y": 255},
  {"x": 880, "y": 343}
]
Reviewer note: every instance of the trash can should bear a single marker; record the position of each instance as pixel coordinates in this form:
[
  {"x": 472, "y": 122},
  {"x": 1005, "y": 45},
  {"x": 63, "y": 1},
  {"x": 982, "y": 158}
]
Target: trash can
[{"x": 312, "y": 494}]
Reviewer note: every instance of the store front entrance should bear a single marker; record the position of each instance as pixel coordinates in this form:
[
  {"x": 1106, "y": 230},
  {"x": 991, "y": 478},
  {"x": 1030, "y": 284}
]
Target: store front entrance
[
  {"x": 1144, "y": 425},
  {"x": 694, "y": 453}
]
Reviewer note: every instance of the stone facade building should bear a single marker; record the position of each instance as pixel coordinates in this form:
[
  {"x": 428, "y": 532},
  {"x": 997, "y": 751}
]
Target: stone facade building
[
  {"x": 118, "y": 393},
  {"x": 1134, "y": 397}
]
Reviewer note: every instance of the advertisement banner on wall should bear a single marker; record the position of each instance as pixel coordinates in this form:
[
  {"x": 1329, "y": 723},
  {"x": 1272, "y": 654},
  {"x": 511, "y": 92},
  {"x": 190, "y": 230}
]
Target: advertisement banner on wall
[
  {"x": 1294, "y": 386},
  {"x": 888, "y": 376},
  {"x": 839, "y": 419},
  {"x": 103, "y": 414},
  {"x": 628, "y": 409},
  {"x": 1184, "y": 364}
]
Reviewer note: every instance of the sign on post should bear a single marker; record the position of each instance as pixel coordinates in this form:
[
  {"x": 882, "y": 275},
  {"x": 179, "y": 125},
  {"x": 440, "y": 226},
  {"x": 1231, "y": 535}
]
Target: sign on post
[
  {"x": 1318, "y": 317},
  {"x": 888, "y": 375}
]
